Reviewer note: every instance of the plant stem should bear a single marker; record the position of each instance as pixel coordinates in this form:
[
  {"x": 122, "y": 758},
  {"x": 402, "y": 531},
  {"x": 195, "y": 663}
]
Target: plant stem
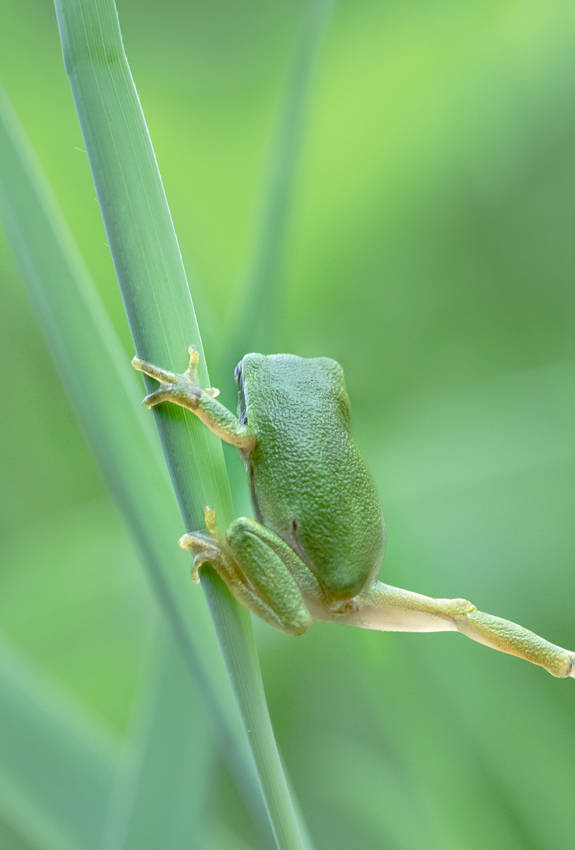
[
  {"x": 163, "y": 323},
  {"x": 104, "y": 393}
]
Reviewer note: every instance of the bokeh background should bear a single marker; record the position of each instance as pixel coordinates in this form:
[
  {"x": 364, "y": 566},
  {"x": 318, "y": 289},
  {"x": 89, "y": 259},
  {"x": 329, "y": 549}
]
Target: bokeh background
[{"x": 431, "y": 250}]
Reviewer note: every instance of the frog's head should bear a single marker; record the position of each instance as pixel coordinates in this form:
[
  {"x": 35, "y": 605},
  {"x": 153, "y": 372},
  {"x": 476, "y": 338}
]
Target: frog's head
[
  {"x": 258, "y": 376},
  {"x": 261, "y": 369}
]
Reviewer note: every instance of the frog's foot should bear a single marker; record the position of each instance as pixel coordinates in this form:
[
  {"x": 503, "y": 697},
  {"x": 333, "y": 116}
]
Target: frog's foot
[
  {"x": 206, "y": 548},
  {"x": 182, "y": 388}
]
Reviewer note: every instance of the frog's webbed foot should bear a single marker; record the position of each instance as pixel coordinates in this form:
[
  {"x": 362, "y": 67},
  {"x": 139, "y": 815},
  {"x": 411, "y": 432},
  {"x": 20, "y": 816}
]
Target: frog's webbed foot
[
  {"x": 204, "y": 551},
  {"x": 182, "y": 388},
  {"x": 206, "y": 546}
]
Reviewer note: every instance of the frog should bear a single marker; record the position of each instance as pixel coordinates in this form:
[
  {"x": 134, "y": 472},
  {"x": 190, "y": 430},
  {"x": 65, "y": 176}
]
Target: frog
[{"x": 314, "y": 549}]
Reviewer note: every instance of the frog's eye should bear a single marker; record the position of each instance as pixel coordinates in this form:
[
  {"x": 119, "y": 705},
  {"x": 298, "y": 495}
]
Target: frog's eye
[{"x": 238, "y": 372}]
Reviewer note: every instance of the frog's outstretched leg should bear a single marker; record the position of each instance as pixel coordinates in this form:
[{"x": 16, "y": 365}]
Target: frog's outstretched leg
[
  {"x": 184, "y": 389},
  {"x": 258, "y": 567},
  {"x": 391, "y": 609}
]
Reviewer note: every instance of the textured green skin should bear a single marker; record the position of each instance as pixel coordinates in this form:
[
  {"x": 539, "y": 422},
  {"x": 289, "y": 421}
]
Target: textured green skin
[{"x": 308, "y": 481}]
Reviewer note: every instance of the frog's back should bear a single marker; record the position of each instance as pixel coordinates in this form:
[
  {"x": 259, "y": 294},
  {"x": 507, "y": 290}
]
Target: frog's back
[{"x": 308, "y": 481}]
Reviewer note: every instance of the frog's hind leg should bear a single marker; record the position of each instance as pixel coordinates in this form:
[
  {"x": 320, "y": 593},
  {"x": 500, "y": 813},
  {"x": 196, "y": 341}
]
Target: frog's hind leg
[
  {"x": 389, "y": 608},
  {"x": 269, "y": 565},
  {"x": 257, "y": 575}
]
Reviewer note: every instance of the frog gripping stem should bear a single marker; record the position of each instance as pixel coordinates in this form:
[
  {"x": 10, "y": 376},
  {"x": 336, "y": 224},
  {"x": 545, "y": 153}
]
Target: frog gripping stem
[
  {"x": 181, "y": 388},
  {"x": 333, "y": 577}
]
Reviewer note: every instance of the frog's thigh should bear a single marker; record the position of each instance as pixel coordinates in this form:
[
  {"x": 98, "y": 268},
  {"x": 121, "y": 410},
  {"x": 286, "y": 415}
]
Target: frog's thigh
[{"x": 269, "y": 566}]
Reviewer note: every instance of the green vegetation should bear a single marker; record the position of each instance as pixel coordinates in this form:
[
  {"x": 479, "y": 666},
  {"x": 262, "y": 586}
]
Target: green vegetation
[{"x": 429, "y": 249}]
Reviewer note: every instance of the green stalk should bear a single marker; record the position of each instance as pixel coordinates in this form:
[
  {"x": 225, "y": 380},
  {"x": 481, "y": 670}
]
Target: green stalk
[
  {"x": 163, "y": 323},
  {"x": 104, "y": 392}
]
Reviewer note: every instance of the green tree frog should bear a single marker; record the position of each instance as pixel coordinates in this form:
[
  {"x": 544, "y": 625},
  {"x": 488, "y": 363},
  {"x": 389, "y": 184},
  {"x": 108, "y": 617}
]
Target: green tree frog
[{"x": 314, "y": 549}]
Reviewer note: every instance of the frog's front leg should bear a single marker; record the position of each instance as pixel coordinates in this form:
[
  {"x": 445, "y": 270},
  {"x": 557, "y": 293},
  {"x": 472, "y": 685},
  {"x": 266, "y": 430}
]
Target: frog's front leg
[
  {"x": 184, "y": 389},
  {"x": 389, "y": 609},
  {"x": 260, "y": 569}
]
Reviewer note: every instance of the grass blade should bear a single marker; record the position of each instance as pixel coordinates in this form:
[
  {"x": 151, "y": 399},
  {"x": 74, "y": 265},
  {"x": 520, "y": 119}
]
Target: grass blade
[
  {"x": 57, "y": 768},
  {"x": 106, "y": 399},
  {"x": 171, "y": 704},
  {"x": 163, "y": 323}
]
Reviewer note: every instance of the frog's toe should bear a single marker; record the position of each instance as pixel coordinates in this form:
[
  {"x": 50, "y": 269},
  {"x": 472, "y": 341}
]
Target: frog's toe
[
  {"x": 199, "y": 561},
  {"x": 165, "y": 393},
  {"x": 197, "y": 541},
  {"x": 210, "y": 521},
  {"x": 162, "y": 375},
  {"x": 192, "y": 370}
]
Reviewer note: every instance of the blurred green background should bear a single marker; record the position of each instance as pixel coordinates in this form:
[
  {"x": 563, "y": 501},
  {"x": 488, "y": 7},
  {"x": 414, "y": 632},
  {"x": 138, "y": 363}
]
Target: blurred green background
[{"x": 431, "y": 251}]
